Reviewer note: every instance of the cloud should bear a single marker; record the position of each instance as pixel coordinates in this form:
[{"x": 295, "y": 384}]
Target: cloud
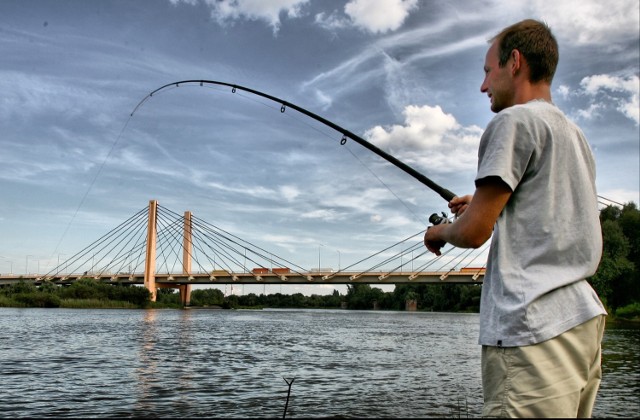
[
  {"x": 332, "y": 21},
  {"x": 589, "y": 113},
  {"x": 564, "y": 91},
  {"x": 430, "y": 138},
  {"x": 322, "y": 214},
  {"x": 379, "y": 15},
  {"x": 375, "y": 16},
  {"x": 392, "y": 61},
  {"x": 607, "y": 89},
  {"x": 25, "y": 95},
  {"x": 339, "y": 80},
  {"x": 241, "y": 189},
  {"x": 269, "y": 11},
  {"x": 289, "y": 192},
  {"x": 589, "y": 22},
  {"x": 593, "y": 84},
  {"x": 579, "y": 22}
]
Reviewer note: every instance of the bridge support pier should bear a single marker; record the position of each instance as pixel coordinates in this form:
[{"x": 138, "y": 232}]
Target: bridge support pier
[
  {"x": 185, "y": 294},
  {"x": 187, "y": 247}
]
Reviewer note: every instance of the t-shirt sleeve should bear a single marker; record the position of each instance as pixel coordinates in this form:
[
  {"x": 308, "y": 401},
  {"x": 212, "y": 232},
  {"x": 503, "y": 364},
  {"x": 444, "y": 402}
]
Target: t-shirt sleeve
[{"x": 506, "y": 148}]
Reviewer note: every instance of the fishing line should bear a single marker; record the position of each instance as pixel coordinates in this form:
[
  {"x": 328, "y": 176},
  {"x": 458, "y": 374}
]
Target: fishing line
[
  {"x": 443, "y": 192},
  {"x": 235, "y": 89},
  {"x": 91, "y": 184},
  {"x": 333, "y": 138}
]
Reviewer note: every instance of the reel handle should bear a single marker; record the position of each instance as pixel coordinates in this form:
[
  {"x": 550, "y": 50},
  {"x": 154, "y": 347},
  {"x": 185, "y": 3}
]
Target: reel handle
[{"x": 436, "y": 219}]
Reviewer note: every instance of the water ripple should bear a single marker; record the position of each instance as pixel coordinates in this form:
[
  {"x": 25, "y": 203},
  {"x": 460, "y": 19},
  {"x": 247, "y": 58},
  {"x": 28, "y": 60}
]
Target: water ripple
[{"x": 68, "y": 363}]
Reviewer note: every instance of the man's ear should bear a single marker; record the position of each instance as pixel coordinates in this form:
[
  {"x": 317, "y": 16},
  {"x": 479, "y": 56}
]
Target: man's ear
[{"x": 517, "y": 62}]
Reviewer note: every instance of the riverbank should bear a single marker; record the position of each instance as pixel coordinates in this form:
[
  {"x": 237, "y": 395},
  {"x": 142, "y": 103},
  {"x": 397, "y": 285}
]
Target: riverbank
[{"x": 89, "y": 294}]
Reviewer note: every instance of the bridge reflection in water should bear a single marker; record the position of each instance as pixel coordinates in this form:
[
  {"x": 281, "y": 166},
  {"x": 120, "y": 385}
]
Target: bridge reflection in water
[{"x": 158, "y": 248}]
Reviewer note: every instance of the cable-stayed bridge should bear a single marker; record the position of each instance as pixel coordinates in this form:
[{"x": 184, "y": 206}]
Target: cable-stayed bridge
[{"x": 159, "y": 248}]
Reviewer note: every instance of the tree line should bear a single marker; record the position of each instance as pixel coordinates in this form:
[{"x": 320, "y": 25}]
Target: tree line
[{"x": 617, "y": 282}]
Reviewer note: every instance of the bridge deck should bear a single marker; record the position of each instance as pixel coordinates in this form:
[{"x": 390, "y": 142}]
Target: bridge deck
[{"x": 464, "y": 276}]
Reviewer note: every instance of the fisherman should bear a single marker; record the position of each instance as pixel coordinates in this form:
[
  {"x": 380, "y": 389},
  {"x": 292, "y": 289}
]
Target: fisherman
[{"x": 541, "y": 323}]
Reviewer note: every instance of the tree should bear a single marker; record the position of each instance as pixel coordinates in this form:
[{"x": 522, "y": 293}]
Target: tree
[
  {"x": 358, "y": 296},
  {"x": 207, "y": 297},
  {"x": 168, "y": 296},
  {"x": 617, "y": 279}
]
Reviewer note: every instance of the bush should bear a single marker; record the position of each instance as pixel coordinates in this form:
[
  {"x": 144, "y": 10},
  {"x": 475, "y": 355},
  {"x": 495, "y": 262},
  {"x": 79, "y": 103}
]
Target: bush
[
  {"x": 5, "y": 302},
  {"x": 38, "y": 300},
  {"x": 631, "y": 311}
]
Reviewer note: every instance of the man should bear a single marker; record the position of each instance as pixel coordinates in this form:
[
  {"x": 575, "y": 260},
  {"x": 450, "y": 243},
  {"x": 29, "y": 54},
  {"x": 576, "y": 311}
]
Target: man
[{"x": 541, "y": 323}]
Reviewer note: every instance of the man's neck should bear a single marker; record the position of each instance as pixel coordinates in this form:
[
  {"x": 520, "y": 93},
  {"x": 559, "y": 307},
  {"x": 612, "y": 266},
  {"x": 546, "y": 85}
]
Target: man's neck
[{"x": 532, "y": 91}]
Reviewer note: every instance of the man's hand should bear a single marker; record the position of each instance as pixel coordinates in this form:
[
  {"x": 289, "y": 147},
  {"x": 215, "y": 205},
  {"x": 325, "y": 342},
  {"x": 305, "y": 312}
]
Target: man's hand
[
  {"x": 458, "y": 205},
  {"x": 432, "y": 240}
]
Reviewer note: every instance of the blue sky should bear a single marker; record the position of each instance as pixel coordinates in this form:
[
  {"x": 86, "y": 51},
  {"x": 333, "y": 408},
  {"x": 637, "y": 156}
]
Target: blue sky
[{"x": 403, "y": 74}]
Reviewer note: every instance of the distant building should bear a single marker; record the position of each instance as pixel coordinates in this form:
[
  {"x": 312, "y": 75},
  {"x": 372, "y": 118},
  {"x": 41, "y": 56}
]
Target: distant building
[{"x": 411, "y": 305}]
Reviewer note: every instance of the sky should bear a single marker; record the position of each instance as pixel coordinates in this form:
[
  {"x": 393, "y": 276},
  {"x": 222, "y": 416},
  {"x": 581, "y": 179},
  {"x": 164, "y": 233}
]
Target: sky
[{"x": 403, "y": 74}]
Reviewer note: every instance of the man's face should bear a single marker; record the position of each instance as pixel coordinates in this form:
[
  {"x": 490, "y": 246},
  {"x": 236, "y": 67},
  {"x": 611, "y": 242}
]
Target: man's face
[{"x": 498, "y": 82}]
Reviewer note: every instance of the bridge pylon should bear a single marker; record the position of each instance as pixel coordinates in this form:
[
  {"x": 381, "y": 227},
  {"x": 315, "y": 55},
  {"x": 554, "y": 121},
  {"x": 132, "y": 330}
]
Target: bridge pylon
[
  {"x": 150, "y": 262},
  {"x": 150, "y": 255},
  {"x": 187, "y": 246}
]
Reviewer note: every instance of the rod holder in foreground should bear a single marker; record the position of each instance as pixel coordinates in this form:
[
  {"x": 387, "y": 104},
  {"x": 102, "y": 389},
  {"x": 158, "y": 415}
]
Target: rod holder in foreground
[{"x": 284, "y": 415}]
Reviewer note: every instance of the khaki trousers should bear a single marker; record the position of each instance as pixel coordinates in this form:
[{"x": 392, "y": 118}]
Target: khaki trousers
[{"x": 556, "y": 378}]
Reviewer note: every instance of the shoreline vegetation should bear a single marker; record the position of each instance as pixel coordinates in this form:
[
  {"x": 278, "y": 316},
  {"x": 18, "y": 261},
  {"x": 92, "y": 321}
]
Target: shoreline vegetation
[
  {"x": 617, "y": 282},
  {"x": 88, "y": 293}
]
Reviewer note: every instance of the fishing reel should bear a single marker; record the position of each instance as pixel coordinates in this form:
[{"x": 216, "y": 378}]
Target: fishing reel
[{"x": 436, "y": 219}]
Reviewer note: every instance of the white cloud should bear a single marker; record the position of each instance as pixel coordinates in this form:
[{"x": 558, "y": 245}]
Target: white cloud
[
  {"x": 379, "y": 15},
  {"x": 585, "y": 22},
  {"x": 376, "y": 16},
  {"x": 288, "y": 242},
  {"x": 322, "y": 214},
  {"x": 332, "y": 21},
  {"x": 576, "y": 22},
  {"x": 257, "y": 191},
  {"x": 289, "y": 192},
  {"x": 593, "y": 84},
  {"x": 622, "y": 91},
  {"x": 286, "y": 192},
  {"x": 389, "y": 62},
  {"x": 29, "y": 94},
  {"x": 431, "y": 138},
  {"x": 593, "y": 111},
  {"x": 265, "y": 10},
  {"x": 564, "y": 91},
  {"x": 351, "y": 73}
]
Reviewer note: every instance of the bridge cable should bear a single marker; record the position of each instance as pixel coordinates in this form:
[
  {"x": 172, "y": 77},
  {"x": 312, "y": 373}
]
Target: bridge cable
[
  {"x": 91, "y": 184},
  {"x": 85, "y": 250}
]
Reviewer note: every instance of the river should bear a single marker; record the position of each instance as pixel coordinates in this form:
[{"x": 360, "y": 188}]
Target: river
[{"x": 236, "y": 363}]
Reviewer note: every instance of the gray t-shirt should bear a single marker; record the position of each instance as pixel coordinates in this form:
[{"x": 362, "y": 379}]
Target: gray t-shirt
[{"x": 547, "y": 239}]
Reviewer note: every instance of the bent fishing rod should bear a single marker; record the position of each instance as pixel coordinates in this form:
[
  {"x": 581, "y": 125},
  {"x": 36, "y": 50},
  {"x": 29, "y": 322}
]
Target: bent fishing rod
[{"x": 443, "y": 192}]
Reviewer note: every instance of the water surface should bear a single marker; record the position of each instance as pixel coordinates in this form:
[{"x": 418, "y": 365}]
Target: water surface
[{"x": 218, "y": 363}]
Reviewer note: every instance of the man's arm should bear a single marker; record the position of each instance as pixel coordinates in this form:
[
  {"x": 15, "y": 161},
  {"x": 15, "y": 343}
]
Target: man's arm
[{"x": 475, "y": 225}]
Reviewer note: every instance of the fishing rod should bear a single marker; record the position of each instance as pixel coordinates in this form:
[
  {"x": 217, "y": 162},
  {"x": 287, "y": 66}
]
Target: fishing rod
[{"x": 443, "y": 192}]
